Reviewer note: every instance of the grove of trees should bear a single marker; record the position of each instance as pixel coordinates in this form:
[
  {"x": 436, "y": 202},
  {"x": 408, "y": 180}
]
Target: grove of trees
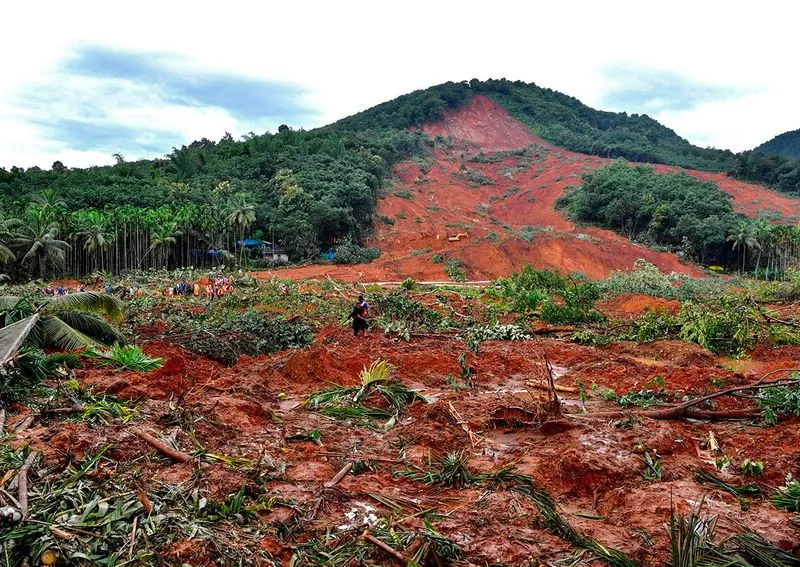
[{"x": 683, "y": 214}]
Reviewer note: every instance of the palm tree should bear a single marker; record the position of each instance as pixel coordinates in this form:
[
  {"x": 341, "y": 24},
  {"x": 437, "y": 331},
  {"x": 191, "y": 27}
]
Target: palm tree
[
  {"x": 66, "y": 321},
  {"x": 49, "y": 198},
  {"x": 762, "y": 231},
  {"x": 744, "y": 238},
  {"x": 161, "y": 237},
  {"x": 96, "y": 234},
  {"x": 7, "y": 235},
  {"x": 38, "y": 239},
  {"x": 241, "y": 214}
]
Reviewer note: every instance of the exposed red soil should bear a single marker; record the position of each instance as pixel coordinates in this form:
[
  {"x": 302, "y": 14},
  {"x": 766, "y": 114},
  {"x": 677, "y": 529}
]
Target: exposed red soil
[
  {"x": 484, "y": 124},
  {"x": 589, "y": 466},
  {"x": 632, "y": 305},
  {"x": 519, "y": 191}
]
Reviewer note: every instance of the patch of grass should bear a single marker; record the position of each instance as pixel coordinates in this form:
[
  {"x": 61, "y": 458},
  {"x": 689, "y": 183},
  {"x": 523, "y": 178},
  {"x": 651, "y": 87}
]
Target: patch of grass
[
  {"x": 403, "y": 194},
  {"x": 690, "y": 536},
  {"x": 504, "y": 474},
  {"x": 652, "y": 467},
  {"x": 642, "y": 399},
  {"x": 351, "y": 402},
  {"x": 454, "y": 270},
  {"x": 103, "y": 409}
]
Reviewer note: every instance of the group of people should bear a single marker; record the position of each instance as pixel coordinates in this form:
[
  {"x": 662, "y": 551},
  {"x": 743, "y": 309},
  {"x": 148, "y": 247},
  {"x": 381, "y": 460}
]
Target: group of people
[
  {"x": 213, "y": 289},
  {"x": 61, "y": 290}
]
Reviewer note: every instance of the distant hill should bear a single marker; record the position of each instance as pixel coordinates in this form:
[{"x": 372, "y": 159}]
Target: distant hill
[
  {"x": 558, "y": 118},
  {"x": 319, "y": 188},
  {"x": 784, "y": 145}
]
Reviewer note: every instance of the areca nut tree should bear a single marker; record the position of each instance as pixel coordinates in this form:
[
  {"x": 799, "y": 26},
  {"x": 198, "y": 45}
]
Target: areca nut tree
[
  {"x": 744, "y": 238},
  {"x": 96, "y": 235},
  {"x": 241, "y": 214}
]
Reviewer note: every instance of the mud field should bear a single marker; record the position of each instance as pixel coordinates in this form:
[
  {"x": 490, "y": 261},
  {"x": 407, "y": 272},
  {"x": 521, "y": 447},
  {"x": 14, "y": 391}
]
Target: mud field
[{"x": 255, "y": 412}]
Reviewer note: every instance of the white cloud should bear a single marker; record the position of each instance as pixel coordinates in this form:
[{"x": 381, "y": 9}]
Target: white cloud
[{"x": 352, "y": 55}]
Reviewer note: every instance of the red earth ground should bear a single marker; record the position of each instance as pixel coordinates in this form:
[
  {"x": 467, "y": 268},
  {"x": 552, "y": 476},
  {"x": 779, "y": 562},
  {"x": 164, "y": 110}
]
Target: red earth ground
[
  {"x": 590, "y": 466},
  {"x": 493, "y": 203}
]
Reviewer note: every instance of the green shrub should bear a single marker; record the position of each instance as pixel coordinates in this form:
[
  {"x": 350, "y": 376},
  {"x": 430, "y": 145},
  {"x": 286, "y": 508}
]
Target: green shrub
[
  {"x": 437, "y": 259},
  {"x": 350, "y": 253},
  {"x": 20, "y": 376},
  {"x": 455, "y": 271},
  {"x": 497, "y": 332}
]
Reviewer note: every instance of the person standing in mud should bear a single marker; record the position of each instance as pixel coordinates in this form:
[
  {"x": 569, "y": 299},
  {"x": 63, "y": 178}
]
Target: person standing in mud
[{"x": 359, "y": 317}]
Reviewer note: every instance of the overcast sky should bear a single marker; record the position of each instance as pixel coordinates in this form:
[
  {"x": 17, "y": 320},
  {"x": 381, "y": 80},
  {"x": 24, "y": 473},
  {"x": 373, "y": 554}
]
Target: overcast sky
[{"x": 83, "y": 80}]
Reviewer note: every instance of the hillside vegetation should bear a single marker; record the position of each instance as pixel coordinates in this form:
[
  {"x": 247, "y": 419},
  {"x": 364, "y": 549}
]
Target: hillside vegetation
[
  {"x": 307, "y": 190},
  {"x": 785, "y": 145}
]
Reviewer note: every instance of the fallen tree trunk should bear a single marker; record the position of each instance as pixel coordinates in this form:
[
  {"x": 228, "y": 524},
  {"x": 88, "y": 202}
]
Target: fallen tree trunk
[
  {"x": 22, "y": 483},
  {"x": 687, "y": 408}
]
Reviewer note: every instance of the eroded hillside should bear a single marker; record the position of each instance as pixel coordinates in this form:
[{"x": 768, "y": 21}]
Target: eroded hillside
[{"x": 492, "y": 180}]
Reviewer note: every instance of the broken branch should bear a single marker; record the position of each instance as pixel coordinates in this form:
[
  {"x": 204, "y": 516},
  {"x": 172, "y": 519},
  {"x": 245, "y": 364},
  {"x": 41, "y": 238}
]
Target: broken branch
[
  {"x": 163, "y": 448},
  {"x": 339, "y": 476},
  {"x": 366, "y": 536}
]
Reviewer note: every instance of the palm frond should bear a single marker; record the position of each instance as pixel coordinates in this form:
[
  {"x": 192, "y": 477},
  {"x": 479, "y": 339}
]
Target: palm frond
[
  {"x": 90, "y": 301},
  {"x": 59, "y": 334},
  {"x": 92, "y": 326}
]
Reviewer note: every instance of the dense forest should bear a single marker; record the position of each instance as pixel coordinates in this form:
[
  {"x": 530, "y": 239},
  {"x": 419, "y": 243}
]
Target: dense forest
[
  {"x": 682, "y": 214},
  {"x": 567, "y": 122},
  {"x": 774, "y": 171},
  {"x": 785, "y": 145},
  {"x": 305, "y": 190}
]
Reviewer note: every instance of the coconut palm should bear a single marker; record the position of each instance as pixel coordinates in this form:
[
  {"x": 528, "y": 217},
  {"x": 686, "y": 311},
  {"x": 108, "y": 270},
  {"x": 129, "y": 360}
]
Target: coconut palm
[
  {"x": 49, "y": 198},
  {"x": 241, "y": 214},
  {"x": 744, "y": 238},
  {"x": 66, "y": 321},
  {"x": 43, "y": 252},
  {"x": 8, "y": 229}
]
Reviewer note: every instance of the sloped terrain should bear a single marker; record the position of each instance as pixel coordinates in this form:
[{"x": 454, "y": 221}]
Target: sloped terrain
[{"x": 495, "y": 182}]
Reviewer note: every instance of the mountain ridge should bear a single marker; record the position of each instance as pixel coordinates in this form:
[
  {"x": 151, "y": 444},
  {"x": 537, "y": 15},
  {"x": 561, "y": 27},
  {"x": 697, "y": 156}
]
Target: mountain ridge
[{"x": 785, "y": 145}]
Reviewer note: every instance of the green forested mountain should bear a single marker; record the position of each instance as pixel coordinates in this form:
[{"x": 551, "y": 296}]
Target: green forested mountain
[
  {"x": 567, "y": 122},
  {"x": 310, "y": 189},
  {"x": 785, "y": 145}
]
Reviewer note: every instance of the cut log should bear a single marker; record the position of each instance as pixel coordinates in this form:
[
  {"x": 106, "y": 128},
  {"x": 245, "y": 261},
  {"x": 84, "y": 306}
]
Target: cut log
[
  {"x": 163, "y": 448},
  {"x": 22, "y": 482}
]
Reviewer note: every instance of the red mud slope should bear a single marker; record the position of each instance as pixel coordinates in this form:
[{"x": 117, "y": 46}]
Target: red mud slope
[{"x": 497, "y": 184}]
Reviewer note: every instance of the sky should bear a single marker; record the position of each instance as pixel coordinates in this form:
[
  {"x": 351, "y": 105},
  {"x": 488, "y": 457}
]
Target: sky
[{"x": 84, "y": 80}]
